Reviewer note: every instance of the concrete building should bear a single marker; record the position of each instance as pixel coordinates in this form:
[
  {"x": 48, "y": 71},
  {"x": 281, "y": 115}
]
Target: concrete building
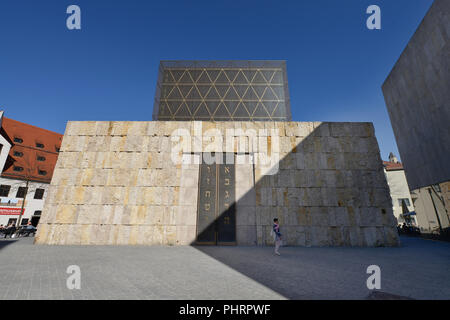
[
  {"x": 399, "y": 190},
  {"x": 222, "y": 180},
  {"x": 27, "y": 159},
  {"x": 417, "y": 97},
  {"x": 430, "y": 207}
]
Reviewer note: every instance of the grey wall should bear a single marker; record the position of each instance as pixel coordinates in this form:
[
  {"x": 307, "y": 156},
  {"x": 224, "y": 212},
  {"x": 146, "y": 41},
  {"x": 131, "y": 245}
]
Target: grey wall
[{"x": 417, "y": 95}]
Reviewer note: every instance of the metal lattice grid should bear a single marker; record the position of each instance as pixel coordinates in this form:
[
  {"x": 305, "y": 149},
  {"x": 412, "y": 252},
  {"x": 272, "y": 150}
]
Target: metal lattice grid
[{"x": 222, "y": 91}]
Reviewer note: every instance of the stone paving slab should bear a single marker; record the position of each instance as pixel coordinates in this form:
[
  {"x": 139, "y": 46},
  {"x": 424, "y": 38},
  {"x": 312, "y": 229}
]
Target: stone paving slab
[{"x": 418, "y": 269}]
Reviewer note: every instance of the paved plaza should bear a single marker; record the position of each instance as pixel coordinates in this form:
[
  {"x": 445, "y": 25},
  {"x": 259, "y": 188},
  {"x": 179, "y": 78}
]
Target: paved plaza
[{"x": 419, "y": 269}]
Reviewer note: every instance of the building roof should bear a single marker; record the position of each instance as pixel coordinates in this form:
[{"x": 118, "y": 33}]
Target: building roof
[
  {"x": 392, "y": 166},
  {"x": 35, "y": 151}
]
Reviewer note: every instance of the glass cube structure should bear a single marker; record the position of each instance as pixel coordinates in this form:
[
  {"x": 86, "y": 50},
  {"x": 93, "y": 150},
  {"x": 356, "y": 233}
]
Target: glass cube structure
[{"x": 222, "y": 91}]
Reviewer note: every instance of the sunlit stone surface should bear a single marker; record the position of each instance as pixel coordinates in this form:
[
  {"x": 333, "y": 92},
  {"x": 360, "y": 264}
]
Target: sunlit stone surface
[{"x": 116, "y": 183}]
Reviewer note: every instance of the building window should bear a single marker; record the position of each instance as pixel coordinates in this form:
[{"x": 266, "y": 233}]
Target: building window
[
  {"x": 40, "y": 158},
  {"x": 21, "y": 192},
  {"x": 42, "y": 172},
  {"x": 39, "y": 193},
  {"x": 18, "y": 169},
  {"x": 401, "y": 200},
  {"x": 12, "y": 221},
  {"x": 18, "y": 154},
  {"x": 37, "y": 212},
  {"x": 24, "y": 222},
  {"x": 4, "y": 190},
  {"x": 39, "y": 145},
  {"x": 18, "y": 140}
]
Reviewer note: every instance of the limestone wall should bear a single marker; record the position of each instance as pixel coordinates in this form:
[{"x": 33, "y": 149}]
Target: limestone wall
[
  {"x": 116, "y": 183},
  {"x": 417, "y": 98}
]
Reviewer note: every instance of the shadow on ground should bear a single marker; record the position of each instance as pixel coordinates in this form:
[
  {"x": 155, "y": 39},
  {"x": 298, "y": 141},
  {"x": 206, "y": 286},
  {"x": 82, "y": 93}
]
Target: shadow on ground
[
  {"x": 277, "y": 273},
  {"x": 416, "y": 270},
  {"x": 380, "y": 295},
  {"x": 6, "y": 242}
]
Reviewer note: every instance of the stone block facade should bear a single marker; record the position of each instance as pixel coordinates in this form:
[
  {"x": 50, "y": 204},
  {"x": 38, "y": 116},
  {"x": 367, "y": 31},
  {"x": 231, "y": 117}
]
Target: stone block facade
[{"x": 116, "y": 183}]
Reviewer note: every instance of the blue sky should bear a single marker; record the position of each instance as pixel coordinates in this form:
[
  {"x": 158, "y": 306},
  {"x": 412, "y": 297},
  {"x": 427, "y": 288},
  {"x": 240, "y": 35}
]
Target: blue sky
[{"x": 107, "y": 70}]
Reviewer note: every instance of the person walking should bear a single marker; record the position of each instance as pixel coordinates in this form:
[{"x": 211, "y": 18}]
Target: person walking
[{"x": 276, "y": 235}]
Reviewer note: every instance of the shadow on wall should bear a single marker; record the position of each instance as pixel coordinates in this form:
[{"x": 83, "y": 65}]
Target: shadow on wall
[{"x": 330, "y": 190}]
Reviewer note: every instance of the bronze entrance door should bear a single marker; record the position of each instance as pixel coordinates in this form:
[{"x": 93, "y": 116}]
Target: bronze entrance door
[{"x": 216, "y": 213}]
